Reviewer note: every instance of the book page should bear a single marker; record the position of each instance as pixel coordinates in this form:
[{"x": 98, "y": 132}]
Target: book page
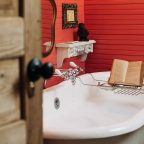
[
  {"x": 133, "y": 75},
  {"x": 118, "y": 72},
  {"x": 142, "y": 74}
]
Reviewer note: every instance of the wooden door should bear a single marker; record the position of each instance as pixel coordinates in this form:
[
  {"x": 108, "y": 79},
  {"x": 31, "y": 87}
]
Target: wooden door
[{"x": 20, "y": 41}]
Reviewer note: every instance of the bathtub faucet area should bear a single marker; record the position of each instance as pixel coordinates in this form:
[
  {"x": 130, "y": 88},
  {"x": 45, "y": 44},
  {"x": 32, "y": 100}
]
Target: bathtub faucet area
[{"x": 69, "y": 74}]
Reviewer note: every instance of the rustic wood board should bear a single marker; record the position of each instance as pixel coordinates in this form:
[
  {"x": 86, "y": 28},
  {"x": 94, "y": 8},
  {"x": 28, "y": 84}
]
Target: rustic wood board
[
  {"x": 14, "y": 133},
  {"x": 9, "y": 91},
  {"x": 8, "y": 7},
  {"x": 11, "y": 37},
  {"x": 33, "y": 109}
]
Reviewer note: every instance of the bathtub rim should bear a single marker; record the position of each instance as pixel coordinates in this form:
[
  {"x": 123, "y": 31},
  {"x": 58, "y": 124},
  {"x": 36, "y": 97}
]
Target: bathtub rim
[{"x": 125, "y": 127}]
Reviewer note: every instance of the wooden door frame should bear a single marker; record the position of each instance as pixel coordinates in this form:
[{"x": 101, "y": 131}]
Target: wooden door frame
[{"x": 32, "y": 107}]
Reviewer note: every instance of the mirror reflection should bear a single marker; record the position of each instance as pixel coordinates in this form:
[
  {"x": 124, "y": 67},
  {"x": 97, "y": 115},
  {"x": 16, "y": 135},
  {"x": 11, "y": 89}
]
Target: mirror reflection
[{"x": 49, "y": 12}]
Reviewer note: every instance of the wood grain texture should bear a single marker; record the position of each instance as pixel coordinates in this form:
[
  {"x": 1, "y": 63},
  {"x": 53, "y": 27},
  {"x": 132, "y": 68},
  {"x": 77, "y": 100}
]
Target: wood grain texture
[
  {"x": 33, "y": 113},
  {"x": 9, "y": 8},
  {"x": 11, "y": 37},
  {"x": 14, "y": 133},
  {"x": 9, "y": 91},
  {"x": 118, "y": 28}
]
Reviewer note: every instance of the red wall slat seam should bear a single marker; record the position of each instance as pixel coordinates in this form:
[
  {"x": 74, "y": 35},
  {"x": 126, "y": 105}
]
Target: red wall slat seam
[{"x": 118, "y": 28}]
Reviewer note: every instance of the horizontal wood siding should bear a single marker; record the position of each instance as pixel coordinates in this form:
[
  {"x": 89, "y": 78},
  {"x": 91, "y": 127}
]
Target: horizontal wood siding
[{"x": 118, "y": 28}]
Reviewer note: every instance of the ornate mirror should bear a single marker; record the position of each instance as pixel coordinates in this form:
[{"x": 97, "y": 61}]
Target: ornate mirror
[{"x": 49, "y": 25}]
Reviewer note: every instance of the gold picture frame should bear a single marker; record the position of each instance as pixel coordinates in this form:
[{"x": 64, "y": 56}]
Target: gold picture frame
[{"x": 69, "y": 16}]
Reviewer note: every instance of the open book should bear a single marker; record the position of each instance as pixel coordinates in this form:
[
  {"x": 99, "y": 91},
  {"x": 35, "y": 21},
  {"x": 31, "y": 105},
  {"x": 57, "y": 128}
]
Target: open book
[{"x": 127, "y": 73}]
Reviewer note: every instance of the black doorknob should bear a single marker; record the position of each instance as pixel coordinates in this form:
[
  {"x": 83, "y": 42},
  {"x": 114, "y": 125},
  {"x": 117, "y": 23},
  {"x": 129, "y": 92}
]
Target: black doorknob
[{"x": 36, "y": 70}]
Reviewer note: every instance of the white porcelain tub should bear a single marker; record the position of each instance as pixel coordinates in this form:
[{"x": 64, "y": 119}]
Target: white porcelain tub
[{"x": 89, "y": 114}]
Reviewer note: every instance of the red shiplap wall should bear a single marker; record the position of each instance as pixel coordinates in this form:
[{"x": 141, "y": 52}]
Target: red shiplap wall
[
  {"x": 118, "y": 28},
  {"x": 62, "y": 35},
  {"x": 46, "y": 21}
]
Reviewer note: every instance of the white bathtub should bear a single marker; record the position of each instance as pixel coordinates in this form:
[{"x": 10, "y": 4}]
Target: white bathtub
[{"x": 89, "y": 112}]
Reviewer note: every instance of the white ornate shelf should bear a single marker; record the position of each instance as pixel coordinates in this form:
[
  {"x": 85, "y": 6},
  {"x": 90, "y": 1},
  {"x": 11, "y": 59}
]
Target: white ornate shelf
[{"x": 72, "y": 49}]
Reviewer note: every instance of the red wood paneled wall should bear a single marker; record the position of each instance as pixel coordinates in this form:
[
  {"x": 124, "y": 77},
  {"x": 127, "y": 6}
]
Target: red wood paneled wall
[
  {"x": 46, "y": 21},
  {"x": 118, "y": 28},
  {"x": 62, "y": 35}
]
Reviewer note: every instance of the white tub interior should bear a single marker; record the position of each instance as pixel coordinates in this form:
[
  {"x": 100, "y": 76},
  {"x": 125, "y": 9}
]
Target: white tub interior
[{"x": 88, "y": 111}]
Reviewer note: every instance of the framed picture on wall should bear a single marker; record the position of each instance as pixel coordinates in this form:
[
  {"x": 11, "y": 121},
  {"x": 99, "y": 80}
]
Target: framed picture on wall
[{"x": 69, "y": 16}]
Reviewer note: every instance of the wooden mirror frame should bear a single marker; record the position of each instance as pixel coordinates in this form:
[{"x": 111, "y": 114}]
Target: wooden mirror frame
[{"x": 48, "y": 51}]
